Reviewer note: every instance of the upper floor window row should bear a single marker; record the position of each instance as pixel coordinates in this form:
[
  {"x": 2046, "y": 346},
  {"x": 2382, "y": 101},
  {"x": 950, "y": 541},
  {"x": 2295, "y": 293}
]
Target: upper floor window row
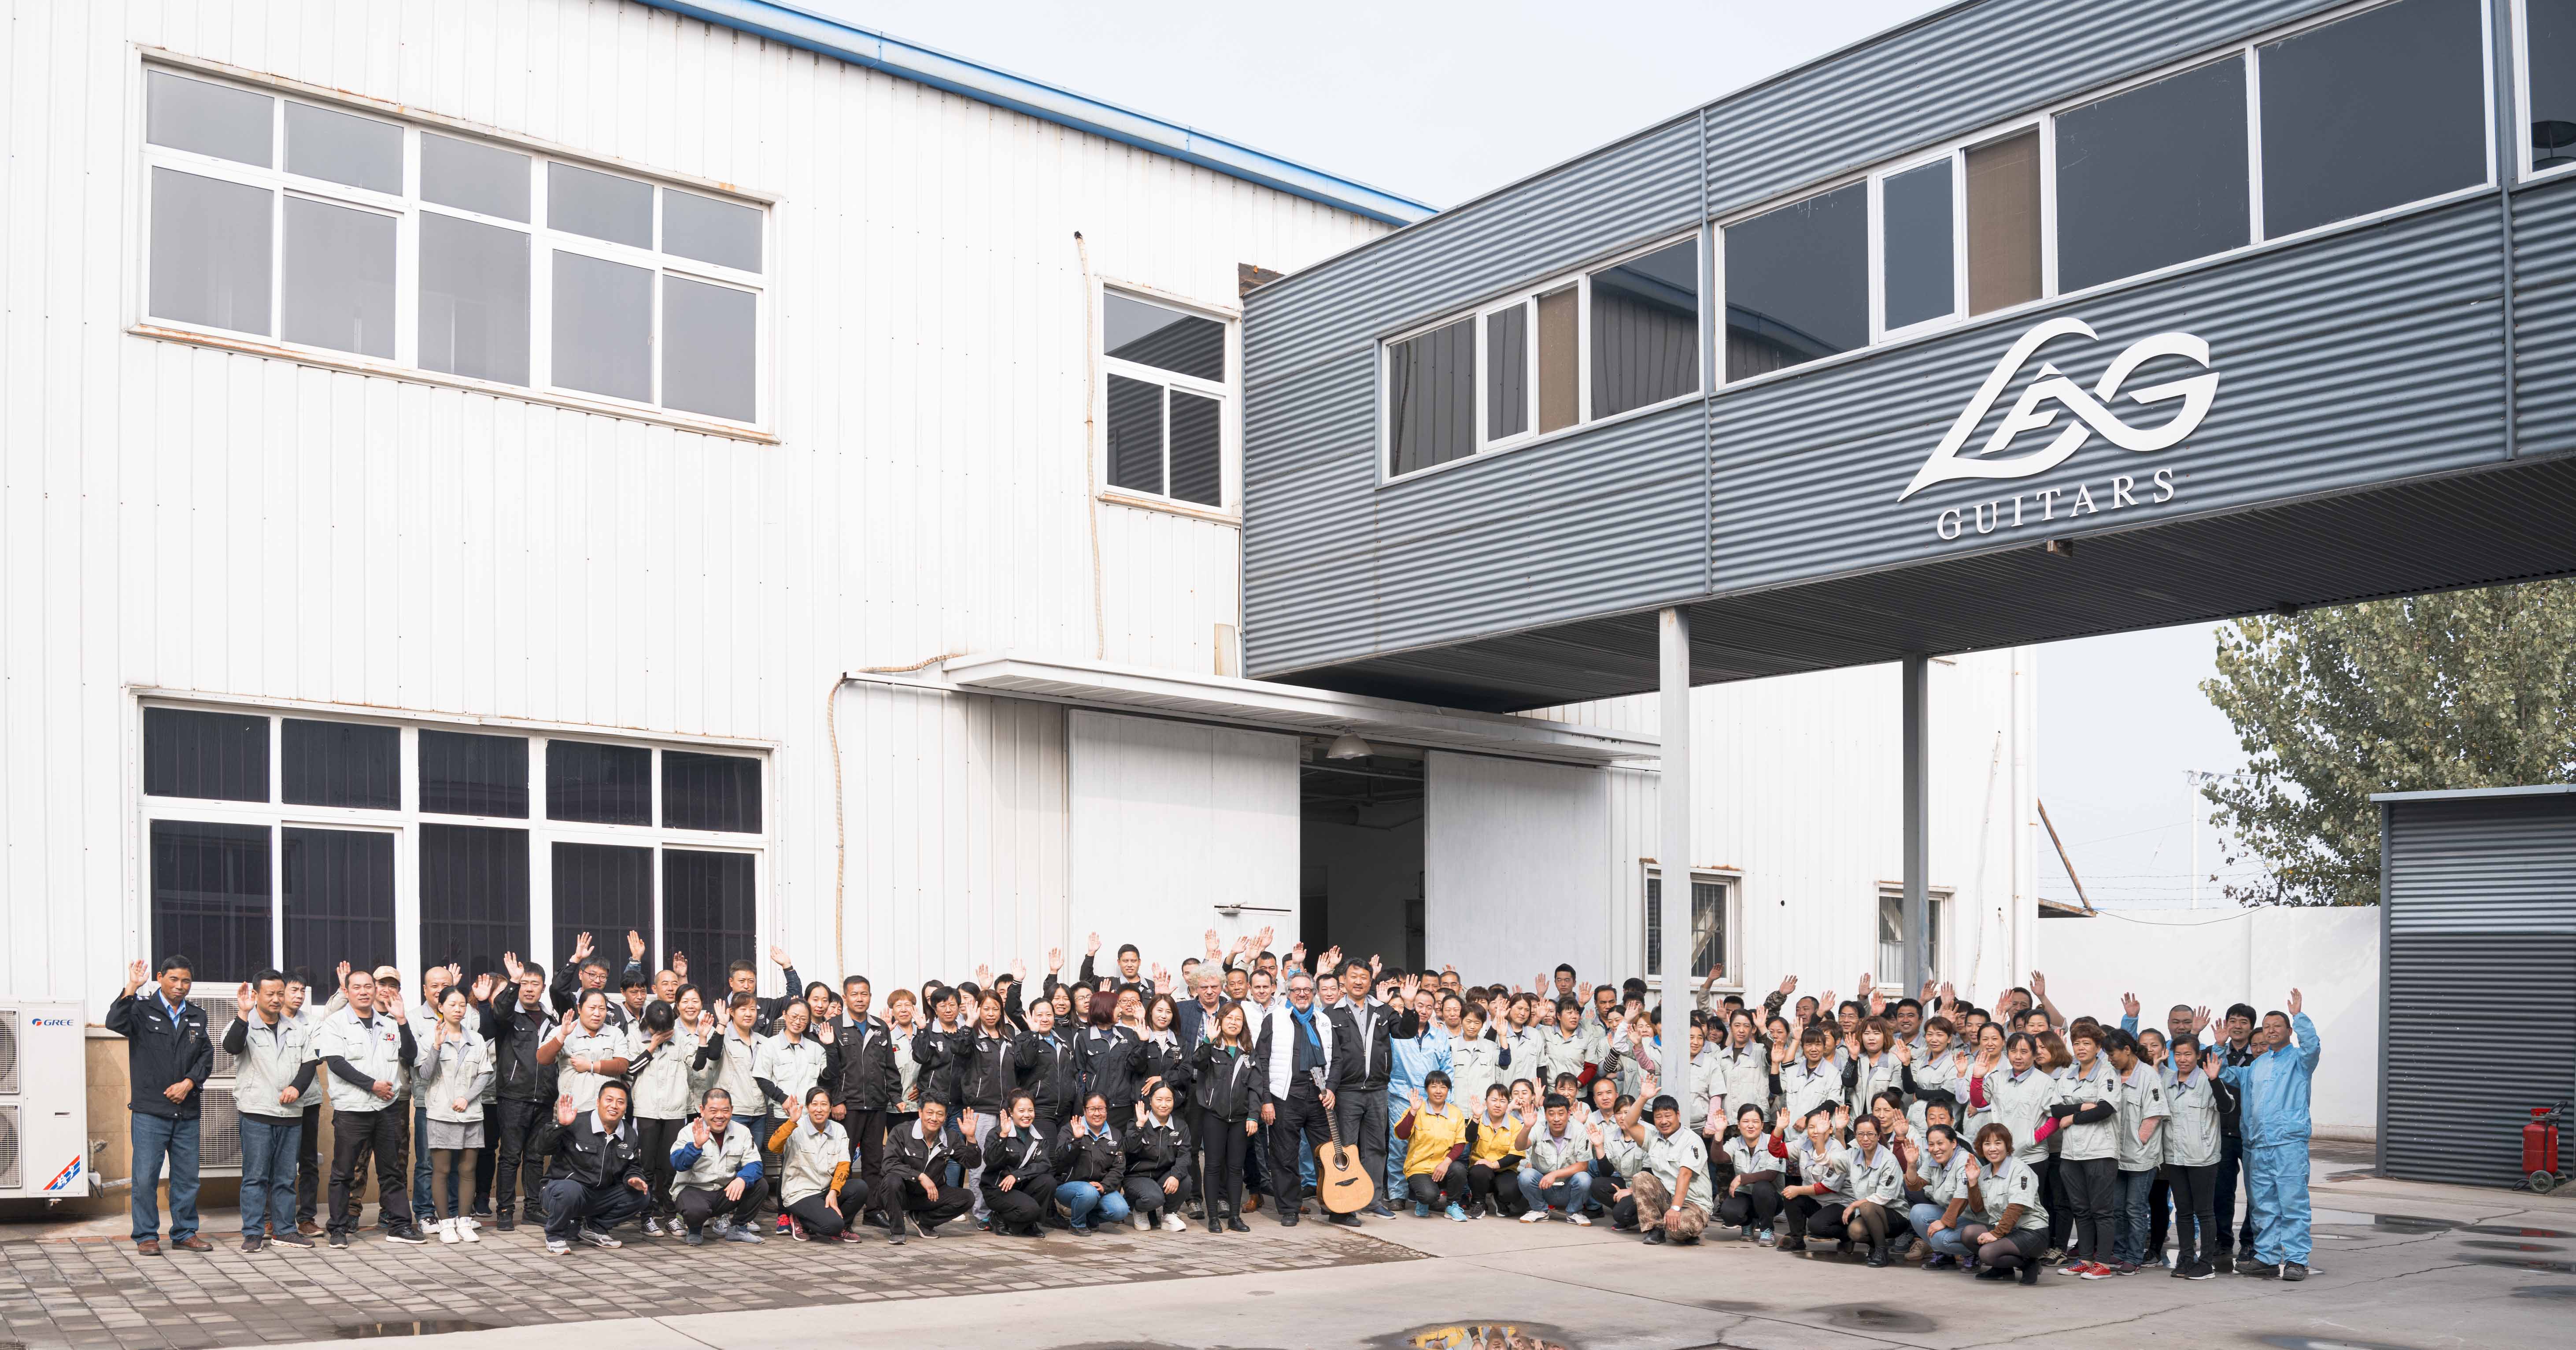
[
  {"x": 1572, "y": 350},
  {"x": 2363, "y": 113},
  {"x": 317, "y": 227}
]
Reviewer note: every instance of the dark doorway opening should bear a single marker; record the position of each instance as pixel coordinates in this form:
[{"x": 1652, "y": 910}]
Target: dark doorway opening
[{"x": 1361, "y": 882}]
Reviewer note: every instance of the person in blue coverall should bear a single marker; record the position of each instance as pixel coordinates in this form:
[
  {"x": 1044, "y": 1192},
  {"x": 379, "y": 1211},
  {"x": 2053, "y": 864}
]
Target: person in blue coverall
[
  {"x": 2274, "y": 1090},
  {"x": 1421, "y": 1045}
]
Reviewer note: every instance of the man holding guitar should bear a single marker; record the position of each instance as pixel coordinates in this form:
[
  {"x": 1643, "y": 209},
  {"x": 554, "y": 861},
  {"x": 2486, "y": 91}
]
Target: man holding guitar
[{"x": 1295, "y": 1053}]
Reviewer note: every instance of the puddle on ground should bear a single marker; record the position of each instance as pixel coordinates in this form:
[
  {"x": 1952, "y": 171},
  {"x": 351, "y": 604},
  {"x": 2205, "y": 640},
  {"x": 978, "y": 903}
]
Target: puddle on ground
[
  {"x": 2514, "y": 1230},
  {"x": 425, "y": 1326},
  {"x": 2565, "y": 1291},
  {"x": 2290, "y": 1341},
  {"x": 2499, "y": 1246},
  {"x": 1725, "y": 1305},
  {"x": 1479, "y": 1336},
  {"x": 1873, "y": 1317},
  {"x": 2386, "y": 1223},
  {"x": 2517, "y": 1263}
]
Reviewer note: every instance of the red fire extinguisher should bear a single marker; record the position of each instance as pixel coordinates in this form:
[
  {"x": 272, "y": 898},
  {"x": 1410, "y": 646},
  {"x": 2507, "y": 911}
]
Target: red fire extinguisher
[{"x": 2540, "y": 1147}]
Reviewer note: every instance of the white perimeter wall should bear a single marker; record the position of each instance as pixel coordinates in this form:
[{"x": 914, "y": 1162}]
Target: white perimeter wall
[{"x": 2219, "y": 957}]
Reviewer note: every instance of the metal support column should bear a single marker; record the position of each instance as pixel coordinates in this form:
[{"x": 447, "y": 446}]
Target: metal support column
[
  {"x": 1673, "y": 850},
  {"x": 1918, "y": 832}
]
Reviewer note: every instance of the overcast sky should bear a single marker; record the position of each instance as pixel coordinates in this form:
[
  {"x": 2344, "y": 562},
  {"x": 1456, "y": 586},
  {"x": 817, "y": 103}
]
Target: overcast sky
[{"x": 1443, "y": 101}]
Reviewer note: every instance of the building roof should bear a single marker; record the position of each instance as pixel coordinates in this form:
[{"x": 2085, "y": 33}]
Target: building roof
[
  {"x": 798, "y": 27},
  {"x": 2462, "y": 794}
]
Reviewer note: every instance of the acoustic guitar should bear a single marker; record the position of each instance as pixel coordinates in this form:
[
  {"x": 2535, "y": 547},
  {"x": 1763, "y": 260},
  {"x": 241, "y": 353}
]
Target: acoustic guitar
[{"x": 1342, "y": 1186}]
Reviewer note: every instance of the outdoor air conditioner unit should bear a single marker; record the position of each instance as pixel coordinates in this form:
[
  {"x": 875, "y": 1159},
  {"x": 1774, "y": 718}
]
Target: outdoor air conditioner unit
[
  {"x": 219, "y": 1147},
  {"x": 44, "y": 1101}
]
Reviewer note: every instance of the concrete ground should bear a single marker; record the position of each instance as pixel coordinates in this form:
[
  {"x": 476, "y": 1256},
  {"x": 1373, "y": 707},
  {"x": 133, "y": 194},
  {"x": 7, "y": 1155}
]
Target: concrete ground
[{"x": 2398, "y": 1265}]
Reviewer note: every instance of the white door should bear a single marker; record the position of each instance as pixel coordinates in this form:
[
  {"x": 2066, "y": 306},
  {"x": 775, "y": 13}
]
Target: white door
[
  {"x": 1518, "y": 857},
  {"x": 1171, "y": 820}
]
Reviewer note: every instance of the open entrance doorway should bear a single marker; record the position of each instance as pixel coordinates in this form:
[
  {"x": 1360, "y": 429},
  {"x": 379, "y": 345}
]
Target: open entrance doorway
[{"x": 1360, "y": 851}]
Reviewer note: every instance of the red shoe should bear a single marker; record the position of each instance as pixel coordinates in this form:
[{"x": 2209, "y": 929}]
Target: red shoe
[{"x": 786, "y": 1223}]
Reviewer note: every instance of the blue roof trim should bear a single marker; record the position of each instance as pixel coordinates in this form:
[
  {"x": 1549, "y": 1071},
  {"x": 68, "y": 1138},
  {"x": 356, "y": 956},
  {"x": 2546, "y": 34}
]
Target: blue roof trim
[{"x": 876, "y": 51}]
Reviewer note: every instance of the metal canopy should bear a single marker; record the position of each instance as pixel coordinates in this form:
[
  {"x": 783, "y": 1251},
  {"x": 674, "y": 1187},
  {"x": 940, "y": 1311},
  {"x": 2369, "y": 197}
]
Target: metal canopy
[{"x": 2510, "y": 524}]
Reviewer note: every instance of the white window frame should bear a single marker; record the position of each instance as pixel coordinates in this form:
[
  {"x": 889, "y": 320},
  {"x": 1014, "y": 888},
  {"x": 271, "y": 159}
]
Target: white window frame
[
  {"x": 1581, "y": 278},
  {"x": 1938, "y": 910},
  {"x": 407, "y": 207},
  {"x": 2245, "y": 50},
  {"x": 405, "y": 821},
  {"x": 1730, "y": 918},
  {"x": 1227, "y": 392},
  {"x": 2524, "y": 172}
]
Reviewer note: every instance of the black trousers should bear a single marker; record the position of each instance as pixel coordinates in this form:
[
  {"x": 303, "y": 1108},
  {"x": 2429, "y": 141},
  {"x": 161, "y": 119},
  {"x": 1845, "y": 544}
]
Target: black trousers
[
  {"x": 697, "y": 1204},
  {"x": 1222, "y": 1145},
  {"x": 1296, "y": 1130},
  {"x": 308, "y": 1162},
  {"x": 1364, "y": 1123},
  {"x": 822, "y": 1218},
  {"x": 569, "y": 1204},
  {"x": 2090, "y": 1189},
  {"x": 1605, "y": 1193},
  {"x": 1797, "y": 1211},
  {"x": 1145, "y": 1193},
  {"x": 2061, "y": 1209},
  {"x": 2198, "y": 1236},
  {"x": 484, "y": 1161},
  {"x": 657, "y": 1136},
  {"x": 2023, "y": 1247},
  {"x": 1020, "y": 1205},
  {"x": 386, "y": 1134},
  {"x": 867, "y": 1131},
  {"x": 2159, "y": 1216},
  {"x": 1755, "y": 1204},
  {"x": 2231, "y": 1169},
  {"x": 925, "y": 1211},
  {"x": 1438, "y": 1191},
  {"x": 517, "y": 1171},
  {"x": 1497, "y": 1186}
]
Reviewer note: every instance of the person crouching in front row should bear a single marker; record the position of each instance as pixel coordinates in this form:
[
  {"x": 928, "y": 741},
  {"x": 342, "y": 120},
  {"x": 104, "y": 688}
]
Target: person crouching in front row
[
  {"x": 595, "y": 1172},
  {"x": 918, "y": 1178},
  {"x": 716, "y": 1175},
  {"x": 823, "y": 1200},
  {"x": 1017, "y": 1180}
]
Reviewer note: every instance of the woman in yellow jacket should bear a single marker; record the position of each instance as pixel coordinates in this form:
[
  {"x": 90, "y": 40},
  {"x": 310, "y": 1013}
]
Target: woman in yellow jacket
[
  {"x": 1435, "y": 1163},
  {"x": 1495, "y": 1147}
]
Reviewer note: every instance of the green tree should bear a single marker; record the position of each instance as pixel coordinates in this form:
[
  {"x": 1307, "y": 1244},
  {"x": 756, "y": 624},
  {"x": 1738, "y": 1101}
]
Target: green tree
[{"x": 2460, "y": 690}]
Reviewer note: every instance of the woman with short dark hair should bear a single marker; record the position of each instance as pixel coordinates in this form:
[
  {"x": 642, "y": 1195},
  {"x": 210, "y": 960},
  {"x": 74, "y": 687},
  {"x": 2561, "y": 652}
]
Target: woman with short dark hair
[
  {"x": 2003, "y": 1221},
  {"x": 1018, "y": 1179}
]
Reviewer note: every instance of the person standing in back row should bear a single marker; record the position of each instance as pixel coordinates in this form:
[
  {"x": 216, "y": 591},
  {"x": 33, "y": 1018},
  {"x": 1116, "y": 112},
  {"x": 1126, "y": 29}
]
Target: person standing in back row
[
  {"x": 364, "y": 1047},
  {"x": 1365, "y": 1029},
  {"x": 167, "y": 1059},
  {"x": 2274, "y": 1094},
  {"x": 1294, "y": 1050},
  {"x": 272, "y": 1075}
]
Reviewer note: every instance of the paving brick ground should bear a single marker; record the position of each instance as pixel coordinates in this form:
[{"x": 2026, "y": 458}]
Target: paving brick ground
[{"x": 98, "y": 1292}]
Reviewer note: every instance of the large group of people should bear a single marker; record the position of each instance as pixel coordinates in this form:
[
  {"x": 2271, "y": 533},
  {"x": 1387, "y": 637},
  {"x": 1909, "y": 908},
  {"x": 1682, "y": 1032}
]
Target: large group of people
[{"x": 1926, "y": 1130}]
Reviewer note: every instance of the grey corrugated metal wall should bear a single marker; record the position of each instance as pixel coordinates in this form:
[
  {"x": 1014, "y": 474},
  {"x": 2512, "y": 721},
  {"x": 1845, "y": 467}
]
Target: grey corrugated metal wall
[
  {"x": 2480, "y": 914},
  {"x": 1338, "y": 566}
]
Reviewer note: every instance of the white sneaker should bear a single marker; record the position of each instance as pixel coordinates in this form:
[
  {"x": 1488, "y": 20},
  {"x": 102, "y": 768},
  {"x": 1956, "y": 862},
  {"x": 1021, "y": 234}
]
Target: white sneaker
[
  {"x": 446, "y": 1229},
  {"x": 1578, "y": 1220},
  {"x": 1143, "y": 1224},
  {"x": 465, "y": 1229},
  {"x": 1172, "y": 1223},
  {"x": 1535, "y": 1216}
]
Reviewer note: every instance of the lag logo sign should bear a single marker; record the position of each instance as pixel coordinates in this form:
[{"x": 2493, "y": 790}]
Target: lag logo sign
[{"x": 2037, "y": 410}]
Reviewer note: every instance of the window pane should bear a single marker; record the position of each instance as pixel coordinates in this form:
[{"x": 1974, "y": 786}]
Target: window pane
[
  {"x": 1891, "y": 942},
  {"x": 218, "y": 756},
  {"x": 709, "y": 348},
  {"x": 340, "y": 764},
  {"x": 473, "y": 896},
  {"x": 2003, "y": 223},
  {"x": 709, "y": 913},
  {"x": 603, "y": 322},
  {"x": 1163, "y": 338},
  {"x": 210, "y": 251},
  {"x": 1560, "y": 375},
  {"x": 2373, "y": 111},
  {"x": 358, "y": 151},
  {"x": 1506, "y": 372},
  {"x": 210, "y": 119},
  {"x": 1198, "y": 433},
  {"x": 710, "y": 792},
  {"x": 600, "y": 205},
  {"x": 710, "y": 230},
  {"x": 1135, "y": 435},
  {"x": 609, "y": 784},
  {"x": 339, "y": 278},
  {"x": 210, "y": 894},
  {"x": 2152, "y": 177},
  {"x": 473, "y": 299},
  {"x": 603, "y": 890},
  {"x": 1708, "y": 933},
  {"x": 337, "y": 887},
  {"x": 1915, "y": 238},
  {"x": 1645, "y": 330},
  {"x": 462, "y": 774},
  {"x": 1797, "y": 283},
  {"x": 2550, "y": 32},
  {"x": 474, "y": 177},
  {"x": 1431, "y": 397}
]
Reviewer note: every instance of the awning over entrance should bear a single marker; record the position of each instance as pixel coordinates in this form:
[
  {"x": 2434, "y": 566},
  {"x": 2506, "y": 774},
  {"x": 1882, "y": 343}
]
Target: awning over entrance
[{"x": 1277, "y": 707}]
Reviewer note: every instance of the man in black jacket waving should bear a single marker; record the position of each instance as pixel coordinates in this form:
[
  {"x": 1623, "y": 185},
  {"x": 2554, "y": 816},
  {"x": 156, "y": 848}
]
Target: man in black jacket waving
[
  {"x": 167, "y": 1058},
  {"x": 917, "y": 1159},
  {"x": 595, "y": 1177},
  {"x": 869, "y": 1080}
]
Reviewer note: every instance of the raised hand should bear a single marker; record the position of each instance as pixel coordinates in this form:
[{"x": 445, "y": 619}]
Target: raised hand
[
  {"x": 1019, "y": 969},
  {"x": 2129, "y": 1004},
  {"x": 1374, "y": 964},
  {"x": 455, "y": 972},
  {"x": 706, "y": 1023},
  {"x": 564, "y": 1114},
  {"x": 2038, "y": 985},
  {"x": 580, "y": 946},
  {"x": 1093, "y": 947},
  {"x": 2294, "y": 1003},
  {"x": 1904, "y": 1051},
  {"x": 134, "y": 974},
  {"x": 245, "y": 1001},
  {"x": 778, "y": 956},
  {"x": 697, "y": 1127},
  {"x": 1055, "y": 959},
  {"x": 984, "y": 976},
  {"x": 2199, "y": 1020},
  {"x": 343, "y": 970},
  {"x": 634, "y": 945},
  {"x": 1215, "y": 950},
  {"x": 1789, "y": 985},
  {"x": 510, "y": 965},
  {"x": 483, "y": 986},
  {"x": 680, "y": 965}
]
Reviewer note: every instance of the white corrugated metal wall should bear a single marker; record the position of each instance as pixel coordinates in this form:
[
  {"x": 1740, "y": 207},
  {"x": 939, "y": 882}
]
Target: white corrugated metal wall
[{"x": 184, "y": 518}]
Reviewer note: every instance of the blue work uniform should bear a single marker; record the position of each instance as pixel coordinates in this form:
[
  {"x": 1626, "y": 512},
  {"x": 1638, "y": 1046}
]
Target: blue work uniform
[{"x": 2274, "y": 1090}]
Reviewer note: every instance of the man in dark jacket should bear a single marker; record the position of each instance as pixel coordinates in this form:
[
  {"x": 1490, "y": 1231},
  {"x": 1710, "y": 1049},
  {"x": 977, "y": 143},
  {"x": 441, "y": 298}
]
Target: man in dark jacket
[
  {"x": 595, "y": 1176},
  {"x": 1047, "y": 1070},
  {"x": 167, "y": 1058},
  {"x": 868, "y": 1082},
  {"x": 515, "y": 1022},
  {"x": 1363, "y": 1030},
  {"x": 917, "y": 1162},
  {"x": 585, "y": 972}
]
